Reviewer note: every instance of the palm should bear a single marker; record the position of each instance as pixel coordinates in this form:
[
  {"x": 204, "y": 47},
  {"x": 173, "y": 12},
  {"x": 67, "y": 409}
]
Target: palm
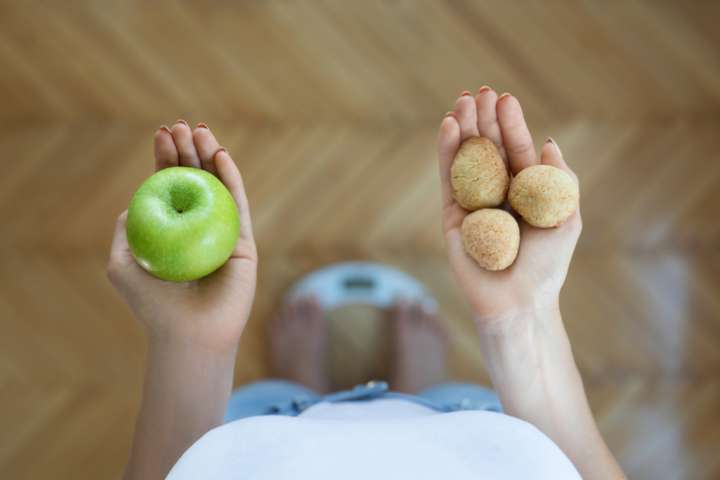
[
  {"x": 212, "y": 310},
  {"x": 544, "y": 254},
  {"x": 216, "y": 306}
]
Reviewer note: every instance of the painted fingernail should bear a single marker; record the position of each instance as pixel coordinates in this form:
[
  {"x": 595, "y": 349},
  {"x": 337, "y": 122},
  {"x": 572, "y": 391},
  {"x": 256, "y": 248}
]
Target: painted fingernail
[
  {"x": 552, "y": 141},
  {"x": 203, "y": 125},
  {"x": 180, "y": 120},
  {"x": 465, "y": 93},
  {"x": 165, "y": 128},
  {"x": 504, "y": 95},
  {"x": 484, "y": 88}
]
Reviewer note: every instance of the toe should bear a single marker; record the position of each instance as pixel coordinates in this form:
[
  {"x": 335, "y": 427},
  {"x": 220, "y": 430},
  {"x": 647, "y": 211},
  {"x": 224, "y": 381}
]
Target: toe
[
  {"x": 188, "y": 156},
  {"x": 400, "y": 312},
  {"x": 416, "y": 313},
  {"x": 432, "y": 320},
  {"x": 488, "y": 127},
  {"x": 166, "y": 155},
  {"x": 316, "y": 320},
  {"x": 303, "y": 309},
  {"x": 466, "y": 113},
  {"x": 206, "y": 145},
  {"x": 284, "y": 315},
  {"x": 295, "y": 309},
  {"x": 515, "y": 134},
  {"x": 313, "y": 307}
]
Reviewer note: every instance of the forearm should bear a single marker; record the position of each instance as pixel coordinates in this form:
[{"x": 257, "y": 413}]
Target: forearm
[
  {"x": 185, "y": 394},
  {"x": 533, "y": 370}
]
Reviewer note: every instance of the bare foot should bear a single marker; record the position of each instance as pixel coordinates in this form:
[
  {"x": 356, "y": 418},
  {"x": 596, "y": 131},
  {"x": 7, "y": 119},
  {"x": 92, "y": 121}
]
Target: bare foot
[
  {"x": 419, "y": 345},
  {"x": 298, "y": 341}
]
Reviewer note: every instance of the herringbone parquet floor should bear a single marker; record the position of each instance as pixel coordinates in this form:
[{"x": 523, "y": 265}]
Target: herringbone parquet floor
[{"x": 330, "y": 109}]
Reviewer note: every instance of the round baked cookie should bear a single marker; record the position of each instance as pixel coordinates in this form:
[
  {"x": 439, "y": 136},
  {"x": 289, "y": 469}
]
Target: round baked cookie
[
  {"x": 545, "y": 196},
  {"x": 478, "y": 175},
  {"x": 491, "y": 237}
]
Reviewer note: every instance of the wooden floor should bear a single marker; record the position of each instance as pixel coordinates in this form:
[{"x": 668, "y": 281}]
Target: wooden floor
[{"x": 330, "y": 109}]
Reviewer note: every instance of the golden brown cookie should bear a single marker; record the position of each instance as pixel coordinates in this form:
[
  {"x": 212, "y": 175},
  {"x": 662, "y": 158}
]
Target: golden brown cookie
[
  {"x": 492, "y": 237},
  {"x": 478, "y": 175},
  {"x": 545, "y": 196}
]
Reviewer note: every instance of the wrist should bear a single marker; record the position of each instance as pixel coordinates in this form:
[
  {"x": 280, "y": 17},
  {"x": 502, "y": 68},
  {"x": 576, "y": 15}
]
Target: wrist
[
  {"x": 189, "y": 346},
  {"x": 510, "y": 321},
  {"x": 525, "y": 341},
  {"x": 530, "y": 353},
  {"x": 176, "y": 366},
  {"x": 205, "y": 333}
]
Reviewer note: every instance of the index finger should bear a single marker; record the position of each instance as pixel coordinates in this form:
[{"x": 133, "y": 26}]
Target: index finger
[{"x": 230, "y": 176}]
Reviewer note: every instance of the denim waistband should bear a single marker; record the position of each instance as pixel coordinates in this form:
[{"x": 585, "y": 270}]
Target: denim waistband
[{"x": 372, "y": 390}]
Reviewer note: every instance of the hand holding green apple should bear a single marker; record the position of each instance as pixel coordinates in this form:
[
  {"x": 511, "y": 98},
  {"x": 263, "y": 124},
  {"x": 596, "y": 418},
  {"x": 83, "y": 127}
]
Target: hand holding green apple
[{"x": 188, "y": 223}]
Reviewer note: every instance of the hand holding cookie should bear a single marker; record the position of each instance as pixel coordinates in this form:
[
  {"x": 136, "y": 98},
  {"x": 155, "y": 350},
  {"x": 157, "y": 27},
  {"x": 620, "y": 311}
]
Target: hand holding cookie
[{"x": 510, "y": 217}]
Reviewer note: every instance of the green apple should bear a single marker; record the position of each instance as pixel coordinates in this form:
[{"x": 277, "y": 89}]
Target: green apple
[{"x": 182, "y": 224}]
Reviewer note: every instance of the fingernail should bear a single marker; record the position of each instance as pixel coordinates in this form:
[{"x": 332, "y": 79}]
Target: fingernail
[
  {"x": 221, "y": 149},
  {"x": 180, "y": 120},
  {"x": 504, "y": 95},
  {"x": 551, "y": 140},
  {"x": 202, "y": 125},
  {"x": 165, "y": 128},
  {"x": 465, "y": 92},
  {"x": 450, "y": 114},
  {"x": 484, "y": 88}
]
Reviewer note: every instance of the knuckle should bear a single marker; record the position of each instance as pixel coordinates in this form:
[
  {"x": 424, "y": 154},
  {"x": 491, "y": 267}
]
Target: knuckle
[{"x": 522, "y": 148}]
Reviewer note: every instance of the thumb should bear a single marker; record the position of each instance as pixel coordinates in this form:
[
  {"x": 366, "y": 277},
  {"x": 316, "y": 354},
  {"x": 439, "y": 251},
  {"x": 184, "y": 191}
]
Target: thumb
[
  {"x": 122, "y": 263},
  {"x": 551, "y": 154}
]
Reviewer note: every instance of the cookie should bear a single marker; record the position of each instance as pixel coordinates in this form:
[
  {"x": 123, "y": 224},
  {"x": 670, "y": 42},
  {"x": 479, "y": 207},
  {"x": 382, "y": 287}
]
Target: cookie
[
  {"x": 478, "y": 175},
  {"x": 545, "y": 196},
  {"x": 491, "y": 237}
]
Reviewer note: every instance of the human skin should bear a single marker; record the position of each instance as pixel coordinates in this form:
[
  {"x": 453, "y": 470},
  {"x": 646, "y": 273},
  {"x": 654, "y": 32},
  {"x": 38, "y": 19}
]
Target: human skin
[
  {"x": 193, "y": 328},
  {"x": 517, "y": 313}
]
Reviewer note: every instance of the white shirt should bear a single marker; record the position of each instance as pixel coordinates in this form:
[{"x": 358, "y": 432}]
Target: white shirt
[{"x": 378, "y": 439}]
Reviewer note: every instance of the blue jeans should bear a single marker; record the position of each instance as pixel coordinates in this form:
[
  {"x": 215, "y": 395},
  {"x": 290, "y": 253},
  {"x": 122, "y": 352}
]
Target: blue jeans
[{"x": 280, "y": 397}]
